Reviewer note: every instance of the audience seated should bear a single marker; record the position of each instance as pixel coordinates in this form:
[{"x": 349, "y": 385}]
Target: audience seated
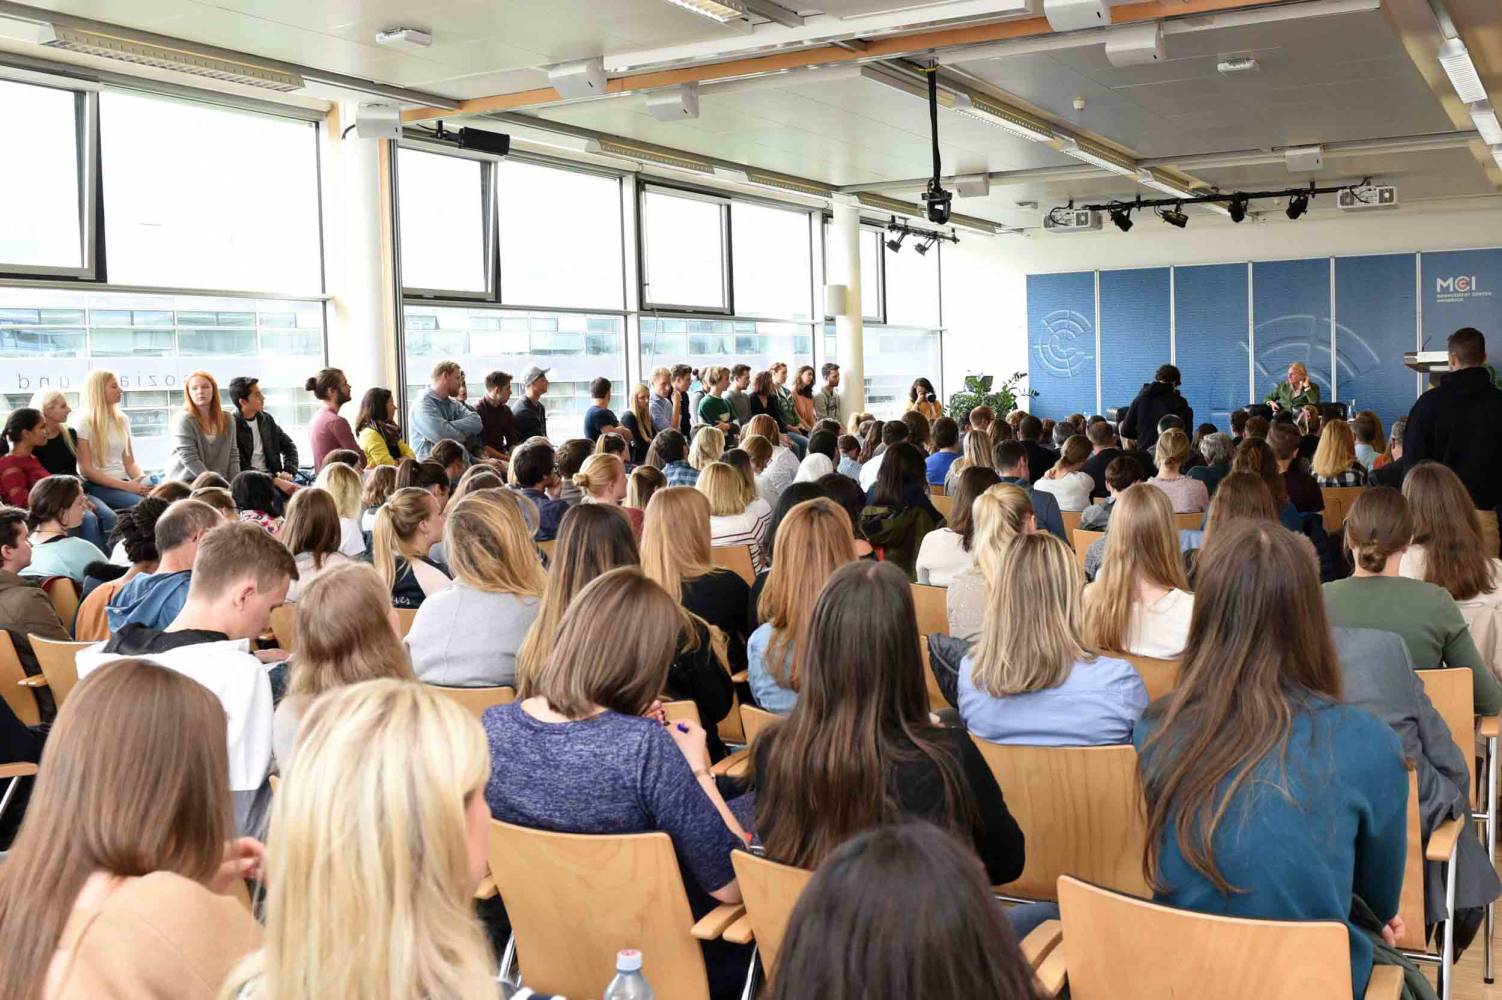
[
  {"x": 1303, "y": 491},
  {"x": 262, "y": 444},
  {"x": 58, "y": 454},
  {"x": 203, "y": 438},
  {"x": 946, "y": 450},
  {"x": 730, "y": 522},
  {"x": 1335, "y": 462},
  {"x": 532, "y": 465},
  {"x": 1255, "y": 456},
  {"x": 1215, "y": 450},
  {"x": 819, "y": 531},
  {"x": 1010, "y": 461},
  {"x": 1067, "y": 481},
  {"x": 345, "y": 632},
  {"x": 890, "y": 434},
  {"x": 119, "y": 883},
  {"x": 1103, "y": 451},
  {"x": 1140, "y": 602},
  {"x": 257, "y": 499},
  {"x": 380, "y": 483},
  {"x": 1388, "y": 468},
  {"x": 468, "y": 634},
  {"x": 1030, "y": 435},
  {"x": 975, "y": 453},
  {"x": 1447, "y": 547},
  {"x": 999, "y": 514},
  {"x": 154, "y": 599},
  {"x": 820, "y": 459},
  {"x": 425, "y": 475},
  {"x": 675, "y": 553},
  {"x": 1120, "y": 474},
  {"x": 1030, "y": 679},
  {"x": 24, "y": 607},
  {"x": 898, "y": 510},
  {"x": 1379, "y": 528},
  {"x": 328, "y": 431},
  {"x": 1254, "y": 748},
  {"x": 644, "y": 481},
  {"x": 1189, "y": 495},
  {"x": 219, "y": 499},
  {"x": 343, "y": 485},
  {"x": 946, "y": 552},
  {"x": 377, "y": 844},
  {"x": 20, "y": 469},
  {"x": 846, "y": 492},
  {"x": 756, "y": 507},
  {"x": 602, "y": 480},
  {"x": 311, "y": 533},
  {"x": 569, "y": 458},
  {"x": 1366, "y": 427},
  {"x": 57, "y": 505},
  {"x": 406, "y": 528},
  {"x": 706, "y": 448}
]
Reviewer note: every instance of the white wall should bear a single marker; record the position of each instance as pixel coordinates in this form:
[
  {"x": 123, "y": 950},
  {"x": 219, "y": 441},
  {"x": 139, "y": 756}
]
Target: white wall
[{"x": 985, "y": 278}]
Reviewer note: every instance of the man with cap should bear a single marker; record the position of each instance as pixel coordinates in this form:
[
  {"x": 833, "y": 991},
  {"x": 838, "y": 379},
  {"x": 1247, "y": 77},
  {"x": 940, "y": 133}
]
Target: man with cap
[{"x": 529, "y": 416}]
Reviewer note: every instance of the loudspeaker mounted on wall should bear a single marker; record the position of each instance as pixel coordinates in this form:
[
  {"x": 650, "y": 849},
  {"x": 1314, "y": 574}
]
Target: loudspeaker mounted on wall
[{"x": 378, "y": 121}]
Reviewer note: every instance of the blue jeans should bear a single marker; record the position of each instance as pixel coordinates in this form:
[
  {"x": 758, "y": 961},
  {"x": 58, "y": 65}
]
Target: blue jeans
[
  {"x": 799, "y": 444},
  {"x": 98, "y": 523},
  {"x": 113, "y": 498},
  {"x": 1026, "y": 917}
]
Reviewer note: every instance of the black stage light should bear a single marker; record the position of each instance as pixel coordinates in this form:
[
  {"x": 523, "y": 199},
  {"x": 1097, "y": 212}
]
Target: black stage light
[
  {"x": 923, "y": 247},
  {"x": 1298, "y": 204},
  {"x": 895, "y": 245},
  {"x": 1174, "y": 217},
  {"x": 1122, "y": 217},
  {"x": 1237, "y": 207}
]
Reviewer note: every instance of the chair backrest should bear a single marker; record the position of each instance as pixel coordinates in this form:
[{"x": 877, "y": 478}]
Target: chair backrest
[
  {"x": 933, "y": 612},
  {"x": 92, "y": 623},
  {"x": 936, "y": 489},
  {"x": 1484, "y": 620},
  {"x": 1117, "y": 947},
  {"x": 1081, "y": 810},
  {"x": 63, "y": 593},
  {"x": 404, "y": 619},
  {"x": 1411, "y": 899},
  {"x": 283, "y": 618},
  {"x": 944, "y": 505},
  {"x": 754, "y": 720},
  {"x": 681, "y": 711},
  {"x": 1083, "y": 540},
  {"x": 1189, "y": 522},
  {"x": 770, "y": 891},
  {"x": 1160, "y": 676},
  {"x": 22, "y": 700},
  {"x": 477, "y": 700},
  {"x": 736, "y": 558},
  {"x": 1454, "y": 699},
  {"x": 547, "y": 547},
  {"x": 574, "y": 900},
  {"x": 1338, "y": 500},
  {"x": 1071, "y": 519},
  {"x": 56, "y": 660},
  {"x": 1486, "y": 520}
]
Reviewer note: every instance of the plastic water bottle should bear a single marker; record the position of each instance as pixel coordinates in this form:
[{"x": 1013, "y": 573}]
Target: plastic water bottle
[{"x": 628, "y": 983}]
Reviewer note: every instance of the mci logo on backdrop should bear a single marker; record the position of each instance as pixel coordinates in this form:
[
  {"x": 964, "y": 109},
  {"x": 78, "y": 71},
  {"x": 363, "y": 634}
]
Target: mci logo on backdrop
[{"x": 1458, "y": 288}]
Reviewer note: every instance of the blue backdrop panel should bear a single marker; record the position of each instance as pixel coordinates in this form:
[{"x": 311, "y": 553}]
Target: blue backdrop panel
[
  {"x": 1061, "y": 343},
  {"x": 1291, "y": 321},
  {"x": 1134, "y": 334},
  {"x": 1375, "y": 323},
  {"x": 1210, "y": 329},
  {"x": 1462, "y": 288}
]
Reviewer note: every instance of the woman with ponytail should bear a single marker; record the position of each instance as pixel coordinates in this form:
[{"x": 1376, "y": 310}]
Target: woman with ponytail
[
  {"x": 406, "y": 527},
  {"x": 602, "y": 480}
]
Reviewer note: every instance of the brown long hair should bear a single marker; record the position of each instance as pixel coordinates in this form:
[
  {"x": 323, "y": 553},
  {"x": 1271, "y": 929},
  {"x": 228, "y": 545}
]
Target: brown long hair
[
  {"x": 1255, "y": 455},
  {"x": 134, "y": 781},
  {"x": 862, "y": 711},
  {"x": 675, "y": 539},
  {"x": 1444, "y": 523},
  {"x": 819, "y": 531},
  {"x": 1142, "y": 544},
  {"x": 969, "y": 485},
  {"x": 216, "y": 421},
  {"x": 312, "y": 525},
  {"x": 343, "y": 632},
  {"x": 1248, "y": 496},
  {"x": 1259, "y": 642}
]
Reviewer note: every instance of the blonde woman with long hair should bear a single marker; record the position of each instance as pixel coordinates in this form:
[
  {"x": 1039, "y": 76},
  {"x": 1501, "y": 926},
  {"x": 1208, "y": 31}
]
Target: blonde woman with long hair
[
  {"x": 999, "y": 514},
  {"x": 311, "y": 533},
  {"x": 468, "y": 635},
  {"x": 406, "y": 527},
  {"x": 345, "y": 631},
  {"x": 602, "y": 480},
  {"x": 677, "y": 552},
  {"x": 819, "y": 531},
  {"x": 1140, "y": 601},
  {"x": 343, "y": 484},
  {"x": 730, "y": 523},
  {"x": 1031, "y": 678},
  {"x": 203, "y": 439},
  {"x": 975, "y": 453},
  {"x": 1189, "y": 496},
  {"x": 638, "y": 420},
  {"x": 378, "y": 837},
  {"x": 59, "y": 456},
  {"x": 106, "y": 457},
  {"x": 1335, "y": 462},
  {"x": 119, "y": 882},
  {"x": 706, "y": 448}
]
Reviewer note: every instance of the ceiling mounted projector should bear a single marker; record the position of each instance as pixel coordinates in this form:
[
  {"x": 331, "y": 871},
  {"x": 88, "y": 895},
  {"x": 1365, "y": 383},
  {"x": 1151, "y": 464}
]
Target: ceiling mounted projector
[
  {"x": 1135, "y": 44},
  {"x": 674, "y": 105},
  {"x": 1076, "y": 15},
  {"x": 405, "y": 38},
  {"x": 578, "y": 80},
  {"x": 1367, "y": 197},
  {"x": 378, "y": 121}
]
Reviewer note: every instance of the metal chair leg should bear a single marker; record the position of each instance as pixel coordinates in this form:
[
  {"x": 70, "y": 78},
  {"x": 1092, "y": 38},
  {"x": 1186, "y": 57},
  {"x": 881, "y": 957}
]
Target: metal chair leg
[
  {"x": 509, "y": 971},
  {"x": 10, "y": 790},
  {"x": 1487, "y": 970},
  {"x": 1447, "y": 956},
  {"x": 753, "y": 977}
]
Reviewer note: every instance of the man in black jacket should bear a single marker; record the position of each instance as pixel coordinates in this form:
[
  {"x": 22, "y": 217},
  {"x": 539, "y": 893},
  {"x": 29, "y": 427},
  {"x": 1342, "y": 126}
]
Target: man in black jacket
[
  {"x": 1103, "y": 452},
  {"x": 1039, "y": 458},
  {"x": 1456, "y": 422},
  {"x": 1158, "y": 399},
  {"x": 263, "y": 445}
]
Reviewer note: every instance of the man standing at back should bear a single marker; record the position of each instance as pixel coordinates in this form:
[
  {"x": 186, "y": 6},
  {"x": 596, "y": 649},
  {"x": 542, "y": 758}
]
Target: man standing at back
[
  {"x": 1459, "y": 422},
  {"x": 1158, "y": 399},
  {"x": 439, "y": 414}
]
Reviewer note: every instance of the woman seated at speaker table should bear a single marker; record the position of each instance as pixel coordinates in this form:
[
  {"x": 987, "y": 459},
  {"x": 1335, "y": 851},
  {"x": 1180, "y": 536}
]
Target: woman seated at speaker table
[
  {"x": 377, "y": 431},
  {"x": 468, "y": 634},
  {"x": 1000, "y": 514},
  {"x": 1335, "y": 462},
  {"x": 406, "y": 527},
  {"x": 345, "y": 632},
  {"x": 730, "y": 523},
  {"x": 1254, "y": 748},
  {"x": 676, "y": 553},
  {"x": 819, "y": 532},
  {"x": 56, "y": 506},
  {"x": 311, "y": 533},
  {"x": 899, "y": 512},
  {"x": 1295, "y": 392},
  {"x": 1030, "y": 679},
  {"x": 1140, "y": 602},
  {"x": 1447, "y": 547},
  {"x": 399, "y": 770},
  {"x": 1189, "y": 496},
  {"x": 1378, "y": 530},
  {"x": 120, "y": 880},
  {"x": 203, "y": 437},
  {"x": 948, "y": 551}
]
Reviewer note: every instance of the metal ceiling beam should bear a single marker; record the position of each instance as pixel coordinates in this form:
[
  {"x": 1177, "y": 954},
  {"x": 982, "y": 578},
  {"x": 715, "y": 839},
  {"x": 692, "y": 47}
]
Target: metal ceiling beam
[{"x": 775, "y": 13}]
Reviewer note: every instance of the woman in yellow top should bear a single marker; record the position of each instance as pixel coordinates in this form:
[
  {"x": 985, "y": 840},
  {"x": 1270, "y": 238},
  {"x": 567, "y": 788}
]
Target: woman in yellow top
[
  {"x": 922, "y": 398},
  {"x": 376, "y": 429}
]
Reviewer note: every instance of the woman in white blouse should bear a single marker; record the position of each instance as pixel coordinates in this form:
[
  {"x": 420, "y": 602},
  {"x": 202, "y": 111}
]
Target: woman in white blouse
[
  {"x": 947, "y": 552},
  {"x": 1140, "y": 602},
  {"x": 730, "y": 523},
  {"x": 1067, "y": 480}
]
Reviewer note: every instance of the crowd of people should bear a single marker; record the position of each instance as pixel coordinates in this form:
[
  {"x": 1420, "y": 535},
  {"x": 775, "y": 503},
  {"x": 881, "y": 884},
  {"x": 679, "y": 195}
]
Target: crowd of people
[{"x": 465, "y": 548}]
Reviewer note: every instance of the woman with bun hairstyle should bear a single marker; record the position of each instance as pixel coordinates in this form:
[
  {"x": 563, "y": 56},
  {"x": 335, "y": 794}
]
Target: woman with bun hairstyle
[{"x": 602, "y": 480}]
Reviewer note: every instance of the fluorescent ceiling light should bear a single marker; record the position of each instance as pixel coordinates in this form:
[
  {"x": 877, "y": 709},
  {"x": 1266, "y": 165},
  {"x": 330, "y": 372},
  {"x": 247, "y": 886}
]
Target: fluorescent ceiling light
[
  {"x": 182, "y": 60},
  {"x": 1102, "y": 158},
  {"x": 1461, "y": 71},
  {"x": 782, "y": 182},
  {"x": 716, "y": 10},
  {"x": 983, "y": 109},
  {"x": 893, "y": 205},
  {"x": 648, "y": 154},
  {"x": 1486, "y": 122},
  {"x": 1497, "y": 155},
  {"x": 1151, "y": 179}
]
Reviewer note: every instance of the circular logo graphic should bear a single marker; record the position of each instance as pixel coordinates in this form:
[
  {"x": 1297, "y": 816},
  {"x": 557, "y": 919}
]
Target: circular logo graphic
[{"x": 1067, "y": 344}]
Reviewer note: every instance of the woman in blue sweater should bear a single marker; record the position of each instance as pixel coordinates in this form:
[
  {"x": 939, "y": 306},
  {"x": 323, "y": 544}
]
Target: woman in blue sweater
[{"x": 1267, "y": 797}]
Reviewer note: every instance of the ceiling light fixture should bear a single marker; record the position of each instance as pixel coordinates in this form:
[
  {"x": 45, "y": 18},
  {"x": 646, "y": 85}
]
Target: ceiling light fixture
[
  {"x": 896, "y": 244},
  {"x": 1238, "y": 207},
  {"x": 1174, "y": 217},
  {"x": 1095, "y": 156},
  {"x": 1456, "y": 61},
  {"x": 1486, "y": 122},
  {"x": 182, "y": 60},
  {"x": 646, "y": 154},
  {"x": 882, "y": 203},
  {"x": 923, "y": 247},
  {"x": 1122, "y": 217},
  {"x": 782, "y": 182},
  {"x": 1151, "y": 179},
  {"x": 715, "y": 10},
  {"x": 1298, "y": 204},
  {"x": 982, "y": 109}
]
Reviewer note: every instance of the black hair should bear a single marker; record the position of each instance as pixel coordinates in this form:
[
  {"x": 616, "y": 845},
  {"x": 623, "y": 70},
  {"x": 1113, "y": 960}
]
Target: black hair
[
  {"x": 325, "y": 382},
  {"x": 447, "y": 452},
  {"x": 497, "y": 380},
  {"x": 848, "y": 494},
  {"x": 12, "y": 526},
  {"x": 823, "y": 443},
  {"x": 829, "y": 366},
  {"x": 670, "y": 445},
  {"x": 946, "y": 432},
  {"x": 571, "y": 455},
  {"x": 532, "y": 464},
  {"x": 901, "y": 468},
  {"x": 50, "y": 497},
  {"x": 894, "y": 432},
  {"x": 254, "y": 490},
  {"x": 1006, "y": 454},
  {"x": 599, "y": 388},
  {"x": 240, "y": 387},
  {"x": 791, "y": 497},
  {"x": 423, "y": 475},
  {"x": 20, "y": 421},
  {"x": 1169, "y": 374},
  {"x": 1468, "y": 345},
  {"x": 136, "y": 529}
]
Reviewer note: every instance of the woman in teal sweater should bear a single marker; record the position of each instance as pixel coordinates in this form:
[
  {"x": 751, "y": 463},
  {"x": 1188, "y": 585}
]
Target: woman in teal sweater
[{"x": 1314, "y": 792}]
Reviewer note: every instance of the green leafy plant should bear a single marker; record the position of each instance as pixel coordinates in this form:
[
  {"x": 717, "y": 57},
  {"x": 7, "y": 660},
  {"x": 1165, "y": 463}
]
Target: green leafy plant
[{"x": 979, "y": 392}]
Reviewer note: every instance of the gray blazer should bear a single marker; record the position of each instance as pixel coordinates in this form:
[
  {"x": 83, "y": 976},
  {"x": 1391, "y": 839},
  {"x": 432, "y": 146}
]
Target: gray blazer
[
  {"x": 1379, "y": 676},
  {"x": 194, "y": 452},
  {"x": 464, "y": 637}
]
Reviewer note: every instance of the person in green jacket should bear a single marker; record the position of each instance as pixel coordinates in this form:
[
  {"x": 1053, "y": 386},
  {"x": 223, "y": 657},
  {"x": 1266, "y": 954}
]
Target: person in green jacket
[
  {"x": 1296, "y": 392},
  {"x": 714, "y": 409}
]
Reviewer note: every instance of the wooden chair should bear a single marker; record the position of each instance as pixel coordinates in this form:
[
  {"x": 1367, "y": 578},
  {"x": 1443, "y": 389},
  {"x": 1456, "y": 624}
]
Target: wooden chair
[
  {"x": 1081, "y": 810},
  {"x": 1189, "y": 522},
  {"x": 19, "y": 695},
  {"x": 283, "y": 618},
  {"x": 63, "y": 593},
  {"x": 1338, "y": 500},
  {"x": 944, "y": 505},
  {"x": 1071, "y": 520},
  {"x": 936, "y": 489},
  {"x": 15, "y": 772},
  {"x": 1486, "y": 521},
  {"x": 1116, "y": 947},
  {"x": 736, "y": 558},
  {"x": 1441, "y": 847},
  {"x": 477, "y": 700},
  {"x": 404, "y": 619},
  {"x": 1083, "y": 540},
  {"x": 92, "y": 623},
  {"x": 576, "y": 899},
  {"x": 933, "y": 617},
  {"x": 770, "y": 891},
  {"x": 1160, "y": 676},
  {"x": 55, "y": 657},
  {"x": 547, "y": 547}
]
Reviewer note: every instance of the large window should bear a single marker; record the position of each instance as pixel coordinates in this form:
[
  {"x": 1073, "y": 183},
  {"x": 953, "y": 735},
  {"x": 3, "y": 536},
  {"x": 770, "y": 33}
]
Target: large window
[
  {"x": 912, "y": 285},
  {"x": 445, "y": 214},
  {"x": 701, "y": 342},
  {"x": 683, "y": 244},
  {"x": 773, "y": 269},
  {"x": 42, "y": 183},
  {"x": 560, "y": 237},
  {"x": 893, "y": 358}
]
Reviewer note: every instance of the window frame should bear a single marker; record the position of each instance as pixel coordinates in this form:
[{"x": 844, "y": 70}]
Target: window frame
[
  {"x": 727, "y": 262},
  {"x": 90, "y": 197},
  {"x": 488, "y": 211},
  {"x": 867, "y": 226}
]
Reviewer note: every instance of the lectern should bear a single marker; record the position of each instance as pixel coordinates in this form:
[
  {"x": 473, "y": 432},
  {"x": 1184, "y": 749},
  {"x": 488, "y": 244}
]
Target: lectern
[{"x": 1431, "y": 363}]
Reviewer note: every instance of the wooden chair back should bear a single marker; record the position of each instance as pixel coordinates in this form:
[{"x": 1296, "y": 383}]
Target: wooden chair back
[
  {"x": 404, "y": 619},
  {"x": 1189, "y": 522},
  {"x": 283, "y": 618},
  {"x": 56, "y": 657},
  {"x": 770, "y": 891},
  {"x": 22, "y": 700},
  {"x": 754, "y": 720},
  {"x": 1486, "y": 521},
  {"x": 1454, "y": 699},
  {"x": 574, "y": 900},
  {"x": 1160, "y": 676},
  {"x": 936, "y": 700},
  {"x": 63, "y": 593},
  {"x": 547, "y": 547},
  {"x": 1411, "y": 899},
  {"x": 1117, "y": 947},
  {"x": 936, "y": 489},
  {"x": 932, "y": 609},
  {"x": 737, "y": 559},
  {"x": 681, "y": 711},
  {"x": 477, "y": 700},
  {"x": 1338, "y": 500},
  {"x": 1082, "y": 542},
  {"x": 944, "y": 505},
  {"x": 1071, "y": 519},
  {"x": 1081, "y": 810},
  {"x": 92, "y": 622}
]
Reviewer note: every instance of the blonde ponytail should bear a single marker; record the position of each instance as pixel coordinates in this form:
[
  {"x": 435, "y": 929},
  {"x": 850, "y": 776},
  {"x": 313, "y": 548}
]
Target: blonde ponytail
[{"x": 395, "y": 525}]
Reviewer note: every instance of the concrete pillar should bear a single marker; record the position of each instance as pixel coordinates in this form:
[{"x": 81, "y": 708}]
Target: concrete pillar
[{"x": 844, "y": 268}]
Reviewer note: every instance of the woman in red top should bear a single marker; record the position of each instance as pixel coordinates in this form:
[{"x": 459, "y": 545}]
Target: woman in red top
[{"x": 26, "y": 431}]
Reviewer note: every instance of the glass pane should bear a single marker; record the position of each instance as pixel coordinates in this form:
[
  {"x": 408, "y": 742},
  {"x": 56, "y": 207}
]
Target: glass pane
[
  {"x": 560, "y": 237},
  {"x": 202, "y": 197},
  {"x": 913, "y": 285},
  {"x": 39, "y": 194},
  {"x": 704, "y": 342},
  {"x": 685, "y": 251},
  {"x": 441, "y": 203},
  {"x": 55, "y": 337},
  {"x": 773, "y": 268},
  {"x": 871, "y": 251},
  {"x": 894, "y": 357},
  {"x": 574, "y": 347}
]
